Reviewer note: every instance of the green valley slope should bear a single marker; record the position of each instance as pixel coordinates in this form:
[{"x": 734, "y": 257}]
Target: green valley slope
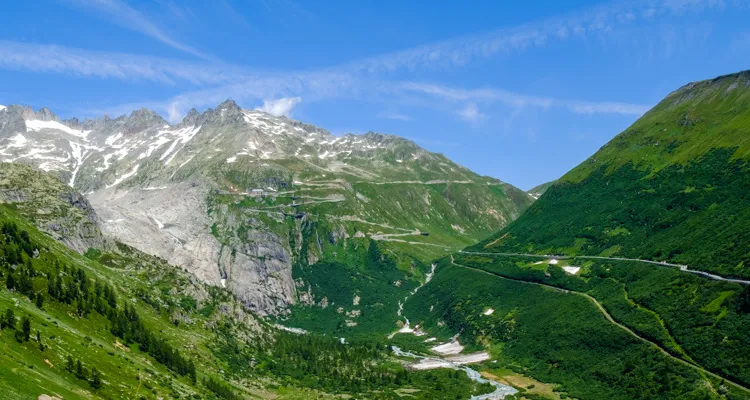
[{"x": 672, "y": 187}]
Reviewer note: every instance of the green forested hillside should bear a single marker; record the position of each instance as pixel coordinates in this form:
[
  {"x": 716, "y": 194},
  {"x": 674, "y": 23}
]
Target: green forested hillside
[
  {"x": 123, "y": 324},
  {"x": 699, "y": 320},
  {"x": 117, "y": 323},
  {"x": 561, "y": 338},
  {"x": 674, "y": 186}
]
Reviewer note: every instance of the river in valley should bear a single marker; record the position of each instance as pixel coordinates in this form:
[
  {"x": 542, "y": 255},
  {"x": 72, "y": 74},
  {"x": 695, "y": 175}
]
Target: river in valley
[{"x": 500, "y": 392}]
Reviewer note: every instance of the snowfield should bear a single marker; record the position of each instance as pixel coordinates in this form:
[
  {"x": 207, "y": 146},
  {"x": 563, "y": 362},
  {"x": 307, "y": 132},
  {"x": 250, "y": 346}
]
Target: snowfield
[{"x": 35, "y": 125}]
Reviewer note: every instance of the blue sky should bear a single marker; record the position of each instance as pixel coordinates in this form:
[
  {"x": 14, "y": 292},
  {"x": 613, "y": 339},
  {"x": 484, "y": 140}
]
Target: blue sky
[{"x": 522, "y": 91}]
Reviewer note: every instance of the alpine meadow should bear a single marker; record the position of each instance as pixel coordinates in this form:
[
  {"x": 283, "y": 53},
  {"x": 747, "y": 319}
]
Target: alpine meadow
[{"x": 375, "y": 200}]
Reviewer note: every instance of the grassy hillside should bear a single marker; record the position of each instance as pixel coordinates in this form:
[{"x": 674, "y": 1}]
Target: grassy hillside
[
  {"x": 698, "y": 320},
  {"x": 672, "y": 187},
  {"x": 564, "y": 340},
  {"x": 129, "y": 317}
]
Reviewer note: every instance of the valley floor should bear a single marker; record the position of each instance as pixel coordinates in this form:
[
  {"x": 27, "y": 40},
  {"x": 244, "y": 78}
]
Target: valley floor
[{"x": 609, "y": 318}]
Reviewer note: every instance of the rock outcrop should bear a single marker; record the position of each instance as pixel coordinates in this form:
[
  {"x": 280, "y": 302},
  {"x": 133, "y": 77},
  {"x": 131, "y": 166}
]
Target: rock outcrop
[{"x": 56, "y": 208}]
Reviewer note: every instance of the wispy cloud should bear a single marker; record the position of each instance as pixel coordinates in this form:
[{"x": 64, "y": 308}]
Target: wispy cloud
[
  {"x": 585, "y": 24},
  {"x": 123, "y": 66},
  {"x": 279, "y": 107},
  {"x": 214, "y": 81},
  {"x": 517, "y": 100},
  {"x": 394, "y": 115},
  {"x": 120, "y": 13},
  {"x": 457, "y": 51}
]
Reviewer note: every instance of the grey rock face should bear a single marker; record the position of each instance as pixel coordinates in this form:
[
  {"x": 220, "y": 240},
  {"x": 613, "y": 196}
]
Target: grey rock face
[
  {"x": 55, "y": 207},
  {"x": 172, "y": 223},
  {"x": 11, "y": 121}
]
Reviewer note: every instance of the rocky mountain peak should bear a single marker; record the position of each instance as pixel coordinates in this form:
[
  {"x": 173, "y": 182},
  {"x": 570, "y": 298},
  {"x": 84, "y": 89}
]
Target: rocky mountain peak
[
  {"x": 140, "y": 120},
  {"x": 11, "y": 120},
  {"x": 145, "y": 113},
  {"x": 45, "y": 114},
  {"x": 228, "y": 104},
  {"x": 226, "y": 113},
  {"x": 73, "y": 122},
  {"x": 191, "y": 118}
]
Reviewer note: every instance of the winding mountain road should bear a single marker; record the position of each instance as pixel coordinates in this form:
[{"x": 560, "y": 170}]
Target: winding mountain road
[
  {"x": 609, "y": 318},
  {"x": 683, "y": 268}
]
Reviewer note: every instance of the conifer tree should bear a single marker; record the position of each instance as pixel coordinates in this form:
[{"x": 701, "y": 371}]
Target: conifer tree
[
  {"x": 9, "y": 319},
  {"x": 25, "y": 328},
  {"x": 96, "y": 380},
  {"x": 80, "y": 371}
]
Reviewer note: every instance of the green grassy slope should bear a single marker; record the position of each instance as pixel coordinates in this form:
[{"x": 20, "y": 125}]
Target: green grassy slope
[
  {"x": 673, "y": 186},
  {"x": 563, "y": 339},
  {"x": 698, "y": 320},
  {"x": 66, "y": 297}
]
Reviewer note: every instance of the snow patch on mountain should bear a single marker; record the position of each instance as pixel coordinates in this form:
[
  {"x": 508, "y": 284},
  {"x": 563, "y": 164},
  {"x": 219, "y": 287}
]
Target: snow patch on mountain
[
  {"x": 122, "y": 178},
  {"x": 35, "y": 125},
  {"x": 18, "y": 141},
  {"x": 181, "y": 136}
]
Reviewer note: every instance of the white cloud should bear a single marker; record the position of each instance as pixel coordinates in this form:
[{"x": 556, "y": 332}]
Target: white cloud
[
  {"x": 394, "y": 115},
  {"x": 471, "y": 113},
  {"x": 580, "y": 107},
  {"x": 278, "y": 107},
  {"x": 128, "y": 17}
]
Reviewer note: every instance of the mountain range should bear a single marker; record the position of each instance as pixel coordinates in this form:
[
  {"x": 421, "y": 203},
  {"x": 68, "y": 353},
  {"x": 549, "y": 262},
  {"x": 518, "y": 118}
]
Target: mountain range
[
  {"x": 174, "y": 190},
  {"x": 241, "y": 255}
]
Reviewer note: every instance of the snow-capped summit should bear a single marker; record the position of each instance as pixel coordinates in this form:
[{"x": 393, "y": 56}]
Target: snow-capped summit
[{"x": 142, "y": 146}]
